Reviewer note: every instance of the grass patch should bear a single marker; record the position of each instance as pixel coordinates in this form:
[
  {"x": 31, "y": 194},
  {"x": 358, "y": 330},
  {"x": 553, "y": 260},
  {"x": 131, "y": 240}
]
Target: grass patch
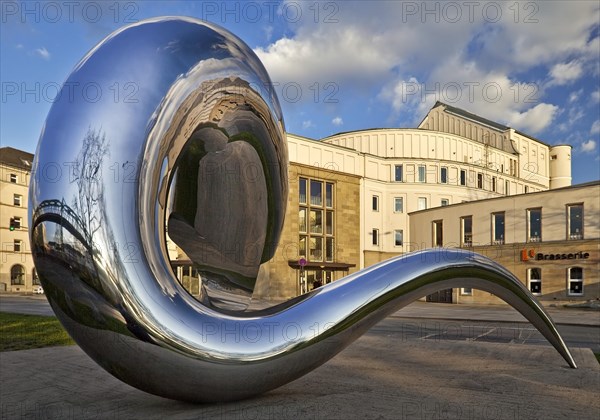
[{"x": 22, "y": 332}]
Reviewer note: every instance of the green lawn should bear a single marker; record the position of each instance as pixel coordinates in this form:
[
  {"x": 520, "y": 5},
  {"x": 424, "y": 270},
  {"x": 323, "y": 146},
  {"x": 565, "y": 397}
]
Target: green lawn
[{"x": 21, "y": 332}]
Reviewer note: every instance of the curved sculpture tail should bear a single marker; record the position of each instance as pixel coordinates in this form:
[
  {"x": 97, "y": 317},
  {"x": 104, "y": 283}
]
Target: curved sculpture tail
[{"x": 199, "y": 152}]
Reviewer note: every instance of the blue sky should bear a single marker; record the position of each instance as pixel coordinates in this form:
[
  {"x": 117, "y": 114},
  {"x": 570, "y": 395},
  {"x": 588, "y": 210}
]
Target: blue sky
[{"x": 347, "y": 65}]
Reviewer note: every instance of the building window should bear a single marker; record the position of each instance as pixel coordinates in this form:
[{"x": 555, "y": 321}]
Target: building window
[
  {"x": 497, "y": 228},
  {"x": 445, "y": 202},
  {"x": 534, "y": 225},
  {"x": 444, "y": 175},
  {"x": 466, "y": 231},
  {"x": 316, "y": 193},
  {"x": 398, "y": 237},
  {"x": 575, "y": 281},
  {"x": 526, "y": 189},
  {"x": 34, "y": 277},
  {"x": 506, "y": 187},
  {"x": 398, "y": 205},
  {"x": 17, "y": 245},
  {"x": 14, "y": 178},
  {"x": 438, "y": 233},
  {"x": 575, "y": 221},
  {"x": 534, "y": 278},
  {"x": 17, "y": 275},
  {"x": 494, "y": 182},
  {"x": 329, "y": 195},
  {"x": 302, "y": 188},
  {"x": 17, "y": 199},
  {"x": 316, "y": 220},
  {"x": 398, "y": 173},
  {"x": 375, "y": 235},
  {"x": 466, "y": 291},
  {"x": 479, "y": 180},
  {"x": 375, "y": 203},
  {"x": 463, "y": 177},
  {"x": 421, "y": 203},
  {"x": 15, "y": 223},
  {"x": 421, "y": 174}
]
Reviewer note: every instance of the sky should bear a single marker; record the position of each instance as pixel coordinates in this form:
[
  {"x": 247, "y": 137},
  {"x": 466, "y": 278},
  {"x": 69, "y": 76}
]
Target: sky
[{"x": 348, "y": 65}]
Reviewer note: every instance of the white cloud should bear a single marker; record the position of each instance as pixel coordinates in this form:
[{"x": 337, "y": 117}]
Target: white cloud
[
  {"x": 564, "y": 73},
  {"x": 19, "y": 46},
  {"x": 575, "y": 95},
  {"x": 588, "y": 146},
  {"x": 337, "y": 121},
  {"x": 595, "y": 96},
  {"x": 534, "y": 119},
  {"x": 307, "y": 124},
  {"x": 43, "y": 53},
  {"x": 595, "y": 127}
]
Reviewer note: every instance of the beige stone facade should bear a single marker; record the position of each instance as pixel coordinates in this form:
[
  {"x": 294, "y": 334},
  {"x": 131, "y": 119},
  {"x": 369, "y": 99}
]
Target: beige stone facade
[
  {"x": 17, "y": 272},
  {"x": 549, "y": 240}
]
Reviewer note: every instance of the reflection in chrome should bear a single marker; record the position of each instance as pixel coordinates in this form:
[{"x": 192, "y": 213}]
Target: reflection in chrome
[{"x": 197, "y": 152}]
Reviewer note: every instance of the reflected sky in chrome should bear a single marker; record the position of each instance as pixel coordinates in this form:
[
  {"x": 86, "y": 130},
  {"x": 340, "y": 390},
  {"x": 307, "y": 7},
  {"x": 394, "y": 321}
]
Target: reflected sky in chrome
[{"x": 168, "y": 159}]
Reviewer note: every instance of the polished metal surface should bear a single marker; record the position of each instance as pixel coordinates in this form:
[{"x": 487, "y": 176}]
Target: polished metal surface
[{"x": 199, "y": 154}]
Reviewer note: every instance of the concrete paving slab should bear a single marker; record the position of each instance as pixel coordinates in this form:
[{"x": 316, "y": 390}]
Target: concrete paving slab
[{"x": 377, "y": 377}]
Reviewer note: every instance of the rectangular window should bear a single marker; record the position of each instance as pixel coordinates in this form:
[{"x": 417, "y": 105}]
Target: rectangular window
[
  {"x": 17, "y": 199},
  {"x": 398, "y": 237},
  {"x": 494, "y": 181},
  {"x": 329, "y": 195},
  {"x": 329, "y": 249},
  {"x": 438, "y": 233},
  {"x": 302, "y": 188},
  {"x": 575, "y": 280},
  {"x": 302, "y": 219},
  {"x": 302, "y": 247},
  {"x": 329, "y": 223},
  {"x": 534, "y": 278},
  {"x": 14, "y": 178},
  {"x": 445, "y": 202},
  {"x": 479, "y": 180},
  {"x": 15, "y": 223},
  {"x": 398, "y": 205},
  {"x": 498, "y": 228},
  {"x": 463, "y": 177},
  {"x": 316, "y": 221},
  {"x": 316, "y": 248},
  {"x": 421, "y": 203},
  {"x": 526, "y": 189},
  {"x": 375, "y": 236},
  {"x": 316, "y": 193},
  {"x": 534, "y": 225},
  {"x": 421, "y": 169},
  {"x": 575, "y": 221},
  {"x": 507, "y": 187},
  {"x": 398, "y": 173},
  {"x": 444, "y": 175},
  {"x": 17, "y": 245},
  {"x": 375, "y": 203},
  {"x": 466, "y": 291},
  {"x": 466, "y": 231}
]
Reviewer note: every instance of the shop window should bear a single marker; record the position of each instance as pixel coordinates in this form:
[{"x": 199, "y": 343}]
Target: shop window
[
  {"x": 438, "y": 233},
  {"x": 575, "y": 221},
  {"x": 498, "y": 228},
  {"x": 575, "y": 281},
  {"x": 17, "y": 275},
  {"x": 398, "y": 205},
  {"x": 534, "y": 279},
  {"x": 466, "y": 228},
  {"x": 534, "y": 225},
  {"x": 398, "y": 173},
  {"x": 398, "y": 237}
]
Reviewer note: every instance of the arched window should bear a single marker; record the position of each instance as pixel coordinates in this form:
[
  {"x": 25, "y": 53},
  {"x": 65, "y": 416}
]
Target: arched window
[
  {"x": 17, "y": 275},
  {"x": 575, "y": 281}
]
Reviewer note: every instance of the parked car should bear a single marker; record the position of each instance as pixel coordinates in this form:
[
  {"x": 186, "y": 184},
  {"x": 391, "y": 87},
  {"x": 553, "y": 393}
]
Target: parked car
[{"x": 38, "y": 290}]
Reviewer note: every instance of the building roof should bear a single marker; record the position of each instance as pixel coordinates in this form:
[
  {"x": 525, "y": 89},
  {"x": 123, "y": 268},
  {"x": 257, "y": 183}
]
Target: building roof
[{"x": 16, "y": 158}]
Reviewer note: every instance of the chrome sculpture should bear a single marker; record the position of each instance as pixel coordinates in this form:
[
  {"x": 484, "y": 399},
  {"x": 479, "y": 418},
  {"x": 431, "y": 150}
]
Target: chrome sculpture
[{"x": 187, "y": 140}]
